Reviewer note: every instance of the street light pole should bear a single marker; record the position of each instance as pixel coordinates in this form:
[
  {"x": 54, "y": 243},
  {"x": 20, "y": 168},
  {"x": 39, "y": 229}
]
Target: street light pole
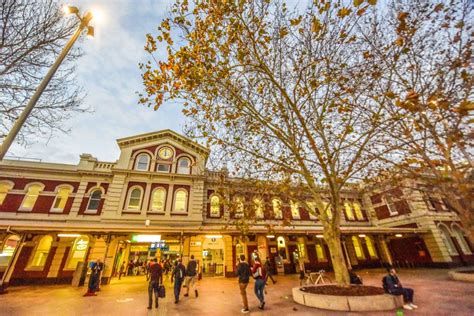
[{"x": 29, "y": 107}]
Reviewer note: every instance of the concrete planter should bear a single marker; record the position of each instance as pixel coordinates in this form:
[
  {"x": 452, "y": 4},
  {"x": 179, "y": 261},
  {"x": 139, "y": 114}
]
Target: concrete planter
[
  {"x": 368, "y": 303},
  {"x": 458, "y": 275}
]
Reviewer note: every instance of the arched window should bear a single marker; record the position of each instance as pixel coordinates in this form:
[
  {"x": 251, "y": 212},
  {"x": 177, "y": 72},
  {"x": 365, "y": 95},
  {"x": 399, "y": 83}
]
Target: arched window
[
  {"x": 180, "y": 201},
  {"x": 8, "y": 249},
  {"x": 370, "y": 247},
  {"x": 158, "y": 200},
  {"x": 41, "y": 253},
  {"x": 184, "y": 165},
  {"x": 358, "y": 211},
  {"x": 357, "y": 248},
  {"x": 5, "y": 187},
  {"x": 94, "y": 200},
  {"x": 446, "y": 237},
  {"x": 295, "y": 209},
  {"x": 142, "y": 162},
  {"x": 349, "y": 213},
  {"x": 239, "y": 206},
  {"x": 313, "y": 210},
  {"x": 61, "y": 198},
  {"x": 215, "y": 206},
  {"x": 134, "y": 199},
  {"x": 459, "y": 235},
  {"x": 276, "y": 203},
  {"x": 78, "y": 252},
  {"x": 320, "y": 252},
  {"x": 31, "y": 196},
  {"x": 258, "y": 207}
]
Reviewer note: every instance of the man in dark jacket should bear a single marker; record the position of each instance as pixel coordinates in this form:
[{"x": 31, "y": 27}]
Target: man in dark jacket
[
  {"x": 191, "y": 275},
  {"x": 243, "y": 272},
  {"x": 392, "y": 285},
  {"x": 269, "y": 269},
  {"x": 156, "y": 279},
  {"x": 178, "y": 275}
]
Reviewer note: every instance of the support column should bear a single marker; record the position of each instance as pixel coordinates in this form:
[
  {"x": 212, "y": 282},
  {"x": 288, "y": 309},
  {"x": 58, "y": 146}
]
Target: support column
[
  {"x": 346, "y": 254},
  {"x": 11, "y": 265},
  {"x": 385, "y": 252}
]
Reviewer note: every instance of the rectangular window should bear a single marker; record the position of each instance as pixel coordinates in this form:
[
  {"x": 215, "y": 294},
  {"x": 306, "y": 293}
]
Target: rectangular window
[
  {"x": 163, "y": 168},
  {"x": 320, "y": 252},
  {"x": 295, "y": 210},
  {"x": 390, "y": 205},
  {"x": 61, "y": 199}
]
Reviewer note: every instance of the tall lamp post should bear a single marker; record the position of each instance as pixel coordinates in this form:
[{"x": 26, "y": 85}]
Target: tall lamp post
[{"x": 84, "y": 24}]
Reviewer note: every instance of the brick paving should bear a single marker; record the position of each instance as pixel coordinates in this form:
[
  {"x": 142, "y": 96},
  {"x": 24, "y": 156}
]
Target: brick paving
[{"x": 434, "y": 293}]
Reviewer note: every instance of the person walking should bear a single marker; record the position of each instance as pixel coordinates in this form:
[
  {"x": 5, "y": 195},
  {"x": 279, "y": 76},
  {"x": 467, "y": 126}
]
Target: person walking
[
  {"x": 178, "y": 274},
  {"x": 269, "y": 269},
  {"x": 121, "y": 270},
  {"x": 156, "y": 279},
  {"x": 243, "y": 272},
  {"x": 191, "y": 275},
  {"x": 259, "y": 275},
  {"x": 392, "y": 285}
]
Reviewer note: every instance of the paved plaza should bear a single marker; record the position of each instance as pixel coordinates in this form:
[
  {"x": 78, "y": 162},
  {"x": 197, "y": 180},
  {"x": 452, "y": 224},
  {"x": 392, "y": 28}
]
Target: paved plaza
[{"x": 434, "y": 293}]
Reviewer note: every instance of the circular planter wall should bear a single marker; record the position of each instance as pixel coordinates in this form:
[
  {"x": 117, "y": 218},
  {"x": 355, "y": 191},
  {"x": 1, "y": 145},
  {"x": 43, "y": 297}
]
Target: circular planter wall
[
  {"x": 365, "y": 303},
  {"x": 463, "y": 274}
]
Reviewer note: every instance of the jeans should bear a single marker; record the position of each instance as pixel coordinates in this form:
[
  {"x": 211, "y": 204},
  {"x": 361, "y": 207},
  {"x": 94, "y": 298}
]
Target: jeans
[
  {"x": 243, "y": 293},
  {"x": 406, "y": 292},
  {"x": 259, "y": 287},
  {"x": 177, "y": 288},
  {"x": 153, "y": 287}
]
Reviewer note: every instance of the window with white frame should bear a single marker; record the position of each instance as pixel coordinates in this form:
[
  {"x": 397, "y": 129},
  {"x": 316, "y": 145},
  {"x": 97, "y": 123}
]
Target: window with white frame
[
  {"x": 5, "y": 187},
  {"x": 142, "y": 162},
  {"x": 277, "y": 212},
  {"x": 215, "y": 206},
  {"x": 370, "y": 247},
  {"x": 358, "y": 248},
  {"x": 295, "y": 209},
  {"x": 158, "y": 200},
  {"x": 392, "y": 209},
  {"x": 41, "y": 252},
  {"x": 94, "y": 200},
  {"x": 163, "y": 167},
  {"x": 180, "y": 201},
  {"x": 313, "y": 210},
  {"x": 184, "y": 165},
  {"x": 31, "y": 196},
  {"x": 327, "y": 210},
  {"x": 358, "y": 211},
  {"x": 349, "y": 212},
  {"x": 134, "y": 198},
  {"x": 258, "y": 207},
  {"x": 61, "y": 198}
]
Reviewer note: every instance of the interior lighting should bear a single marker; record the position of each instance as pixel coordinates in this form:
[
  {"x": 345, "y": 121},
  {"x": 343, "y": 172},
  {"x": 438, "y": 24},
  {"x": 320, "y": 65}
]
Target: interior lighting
[
  {"x": 319, "y": 236},
  {"x": 398, "y": 235},
  {"x": 69, "y": 235},
  {"x": 146, "y": 238},
  {"x": 213, "y": 236},
  {"x": 361, "y": 235}
]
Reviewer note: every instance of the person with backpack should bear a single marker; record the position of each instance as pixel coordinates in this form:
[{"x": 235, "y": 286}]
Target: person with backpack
[
  {"x": 243, "y": 272},
  {"x": 191, "y": 275},
  {"x": 178, "y": 275},
  {"x": 259, "y": 275},
  {"x": 392, "y": 285}
]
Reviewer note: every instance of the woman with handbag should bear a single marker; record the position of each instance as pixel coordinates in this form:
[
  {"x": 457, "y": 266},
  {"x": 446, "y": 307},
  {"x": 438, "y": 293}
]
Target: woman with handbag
[{"x": 258, "y": 274}]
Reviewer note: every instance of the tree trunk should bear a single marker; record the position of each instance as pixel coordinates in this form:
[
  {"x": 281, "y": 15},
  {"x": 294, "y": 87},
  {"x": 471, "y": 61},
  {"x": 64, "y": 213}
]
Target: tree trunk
[{"x": 333, "y": 240}]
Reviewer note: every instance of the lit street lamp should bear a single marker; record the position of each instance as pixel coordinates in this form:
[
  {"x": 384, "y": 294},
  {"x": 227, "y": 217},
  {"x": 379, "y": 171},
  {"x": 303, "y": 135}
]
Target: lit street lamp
[{"x": 29, "y": 107}]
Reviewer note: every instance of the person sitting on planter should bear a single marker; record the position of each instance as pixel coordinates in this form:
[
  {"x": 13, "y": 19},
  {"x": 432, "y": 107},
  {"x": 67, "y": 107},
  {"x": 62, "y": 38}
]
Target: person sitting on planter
[
  {"x": 355, "y": 278},
  {"x": 392, "y": 285}
]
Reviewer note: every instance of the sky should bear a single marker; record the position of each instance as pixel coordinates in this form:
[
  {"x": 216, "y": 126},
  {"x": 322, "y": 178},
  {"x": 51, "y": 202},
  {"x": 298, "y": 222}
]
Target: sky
[{"x": 110, "y": 76}]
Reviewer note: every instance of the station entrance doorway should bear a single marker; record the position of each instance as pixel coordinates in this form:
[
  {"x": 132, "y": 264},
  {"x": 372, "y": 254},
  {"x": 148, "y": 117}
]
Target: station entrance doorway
[{"x": 213, "y": 255}]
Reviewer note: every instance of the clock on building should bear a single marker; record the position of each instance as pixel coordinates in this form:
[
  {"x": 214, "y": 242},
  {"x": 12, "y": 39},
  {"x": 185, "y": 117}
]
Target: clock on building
[{"x": 165, "y": 153}]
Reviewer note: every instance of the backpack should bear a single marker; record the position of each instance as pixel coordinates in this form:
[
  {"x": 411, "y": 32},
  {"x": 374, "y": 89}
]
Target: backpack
[
  {"x": 385, "y": 283},
  {"x": 191, "y": 270}
]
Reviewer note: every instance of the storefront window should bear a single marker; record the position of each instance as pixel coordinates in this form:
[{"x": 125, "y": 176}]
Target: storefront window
[
  {"x": 320, "y": 253},
  {"x": 302, "y": 250},
  {"x": 42, "y": 252},
  {"x": 281, "y": 247},
  {"x": 7, "y": 250},
  {"x": 78, "y": 252},
  {"x": 370, "y": 247},
  {"x": 357, "y": 248}
]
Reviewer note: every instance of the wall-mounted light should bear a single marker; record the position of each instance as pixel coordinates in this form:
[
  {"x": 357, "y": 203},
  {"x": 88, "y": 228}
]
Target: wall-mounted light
[
  {"x": 213, "y": 236},
  {"x": 69, "y": 235},
  {"x": 398, "y": 235},
  {"x": 319, "y": 236},
  {"x": 270, "y": 236},
  {"x": 361, "y": 235},
  {"x": 146, "y": 238}
]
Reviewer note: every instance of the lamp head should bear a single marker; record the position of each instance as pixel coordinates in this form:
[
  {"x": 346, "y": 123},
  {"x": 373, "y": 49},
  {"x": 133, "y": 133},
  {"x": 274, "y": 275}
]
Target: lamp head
[{"x": 70, "y": 9}]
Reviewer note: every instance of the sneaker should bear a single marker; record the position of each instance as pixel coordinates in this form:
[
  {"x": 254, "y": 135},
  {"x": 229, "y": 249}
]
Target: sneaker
[
  {"x": 196, "y": 292},
  {"x": 186, "y": 294},
  {"x": 149, "y": 307},
  {"x": 245, "y": 310},
  {"x": 407, "y": 306},
  {"x": 413, "y": 305},
  {"x": 176, "y": 302}
]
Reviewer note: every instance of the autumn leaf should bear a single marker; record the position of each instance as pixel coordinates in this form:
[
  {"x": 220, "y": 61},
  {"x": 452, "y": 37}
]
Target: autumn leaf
[
  {"x": 315, "y": 25},
  {"x": 372, "y": 2},
  {"x": 296, "y": 21},
  {"x": 358, "y": 2},
  {"x": 283, "y": 32},
  {"x": 342, "y": 13}
]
